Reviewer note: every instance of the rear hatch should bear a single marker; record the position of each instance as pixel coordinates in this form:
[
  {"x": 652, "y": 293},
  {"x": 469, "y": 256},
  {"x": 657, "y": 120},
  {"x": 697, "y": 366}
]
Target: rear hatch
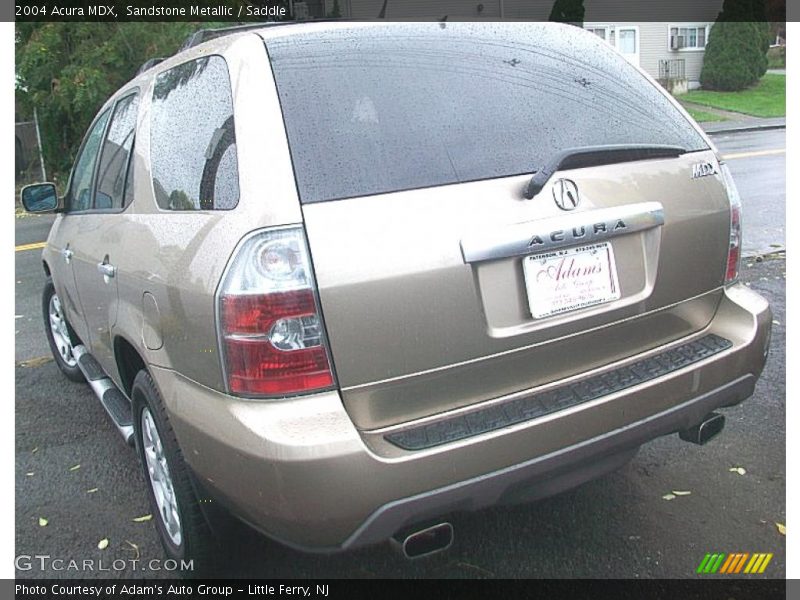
[{"x": 441, "y": 284}]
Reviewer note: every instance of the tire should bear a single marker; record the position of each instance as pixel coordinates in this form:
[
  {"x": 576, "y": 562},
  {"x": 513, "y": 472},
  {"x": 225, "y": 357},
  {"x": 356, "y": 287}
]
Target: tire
[
  {"x": 60, "y": 335},
  {"x": 187, "y": 537}
]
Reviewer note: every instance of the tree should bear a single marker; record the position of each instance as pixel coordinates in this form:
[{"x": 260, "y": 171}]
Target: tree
[
  {"x": 568, "y": 11},
  {"x": 68, "y": 70},
  {"x": 336, "y": 12},
  {"x": 736, "y": 52}
]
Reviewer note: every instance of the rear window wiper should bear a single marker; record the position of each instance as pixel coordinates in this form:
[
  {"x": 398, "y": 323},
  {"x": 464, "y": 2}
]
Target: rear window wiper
[{"x": 593, "y": 156}]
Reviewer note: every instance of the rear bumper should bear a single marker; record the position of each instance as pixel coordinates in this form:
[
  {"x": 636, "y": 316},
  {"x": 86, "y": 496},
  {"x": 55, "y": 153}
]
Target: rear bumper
[{"x": 299, "y": 471}]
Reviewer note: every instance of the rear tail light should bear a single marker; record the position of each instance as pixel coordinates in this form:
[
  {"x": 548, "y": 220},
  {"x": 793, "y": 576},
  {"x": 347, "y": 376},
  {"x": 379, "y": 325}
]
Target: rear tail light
[
  {"x": 735, "y": 241},
  {"x": 270, "y": 325}
]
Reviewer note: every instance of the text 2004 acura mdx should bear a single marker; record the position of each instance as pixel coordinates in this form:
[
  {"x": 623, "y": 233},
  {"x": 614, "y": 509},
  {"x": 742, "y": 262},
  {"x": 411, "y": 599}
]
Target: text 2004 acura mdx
[{"x": 349, "y": 278}]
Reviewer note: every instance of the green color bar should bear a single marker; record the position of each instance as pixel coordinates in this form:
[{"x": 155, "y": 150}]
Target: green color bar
[
  {"x": 711, "y": 562},
  {"x": 703, "y": 564}
]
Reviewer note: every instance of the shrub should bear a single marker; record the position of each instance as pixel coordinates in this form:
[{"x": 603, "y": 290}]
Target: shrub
[
  {"x": 734, "y": 56},
  {"x": 736, "y": 53},
  {"x": 568, "y": 11}
]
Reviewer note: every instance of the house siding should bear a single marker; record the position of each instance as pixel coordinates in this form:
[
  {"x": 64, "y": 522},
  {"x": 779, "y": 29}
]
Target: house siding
[
  {"x": 525, "y": 9},
  {"x": 654, "y": 47},
  {"x": 531, "y": 10}
]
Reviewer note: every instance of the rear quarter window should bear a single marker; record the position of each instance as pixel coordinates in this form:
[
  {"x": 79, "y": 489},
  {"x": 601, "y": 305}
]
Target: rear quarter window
[
  {"x": 379, "y": 109},
  {"x": 192, "y": 137}
]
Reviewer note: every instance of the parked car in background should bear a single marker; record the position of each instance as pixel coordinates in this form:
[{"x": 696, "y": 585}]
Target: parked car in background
[{"x": 348, "y": 278}]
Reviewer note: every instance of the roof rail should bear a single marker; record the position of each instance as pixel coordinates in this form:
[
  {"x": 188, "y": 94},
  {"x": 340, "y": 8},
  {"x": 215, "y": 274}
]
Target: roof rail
[
  {"x": 203, "y": 35},
  {"x": 149, "y": 65}
]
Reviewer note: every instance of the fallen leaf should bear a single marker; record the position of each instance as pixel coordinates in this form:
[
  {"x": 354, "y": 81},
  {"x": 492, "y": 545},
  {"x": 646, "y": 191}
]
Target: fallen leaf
[
  {"x": 42, "y": 522},
  {"x": 677, "y": 493},
  {"x": 135, "y": 547},
  {"x": 75, "y": 468},
  {"x": 668, "y": 497},
  {"x": 103, "y": 544},
  {"x": 29, "y": 473},
  {"x": 142, "y": 519},
  {"x": 34, "y": 362},
  {"x": 781, "y": 528},
  {"x": 35, "y": 450},
  {"x": 775, "y": 322},
  {"x": 738, "y": 470},
  {"x": 91, "y": 491}
]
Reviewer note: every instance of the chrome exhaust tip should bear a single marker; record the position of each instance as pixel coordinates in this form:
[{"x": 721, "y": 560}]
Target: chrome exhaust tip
[
  {"x": 711, "y": 425},
  {"x": 424, "y": 542}
]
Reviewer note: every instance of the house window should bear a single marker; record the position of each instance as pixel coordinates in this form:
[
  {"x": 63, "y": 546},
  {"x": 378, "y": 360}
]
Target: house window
[
  {"x": 601, "y": 32},
  {"x": 688, "y": 38}
]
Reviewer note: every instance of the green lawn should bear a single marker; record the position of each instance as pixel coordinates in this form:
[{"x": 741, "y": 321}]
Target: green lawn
[
  {"x": 702, "y": 116},
  {"x": 765, "y": 99}
]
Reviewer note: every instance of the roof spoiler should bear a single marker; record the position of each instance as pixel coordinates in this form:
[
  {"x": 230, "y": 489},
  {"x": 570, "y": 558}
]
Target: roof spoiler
[
  {"x": 149, "y": 65},
  {"x": 204, "y": 35}
]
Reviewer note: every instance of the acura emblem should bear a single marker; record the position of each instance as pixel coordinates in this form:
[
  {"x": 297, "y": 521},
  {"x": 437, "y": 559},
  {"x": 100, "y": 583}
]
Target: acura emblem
[{"x": 565, "y": 193}]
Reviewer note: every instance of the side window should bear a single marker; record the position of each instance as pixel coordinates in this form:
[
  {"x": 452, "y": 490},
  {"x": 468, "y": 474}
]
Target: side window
[
  {"x": 115, "y": 155},
  {"x": 192, "y": 140},
  {"x": 80, "y": 188}
]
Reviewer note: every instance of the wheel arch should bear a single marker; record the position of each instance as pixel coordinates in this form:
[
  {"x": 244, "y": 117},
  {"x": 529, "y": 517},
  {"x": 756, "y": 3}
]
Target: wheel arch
[{"x": 129, "y": 362}]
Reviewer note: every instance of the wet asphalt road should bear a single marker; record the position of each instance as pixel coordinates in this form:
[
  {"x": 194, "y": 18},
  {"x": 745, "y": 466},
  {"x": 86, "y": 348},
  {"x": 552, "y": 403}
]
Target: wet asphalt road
[
  {"x": 759, "y": 173},
  {"x": 618, "y": 526}
]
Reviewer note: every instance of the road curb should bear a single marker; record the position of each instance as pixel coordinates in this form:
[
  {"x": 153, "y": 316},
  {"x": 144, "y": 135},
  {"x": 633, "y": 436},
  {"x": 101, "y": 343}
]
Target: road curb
[{"x": 745, "y": 128}]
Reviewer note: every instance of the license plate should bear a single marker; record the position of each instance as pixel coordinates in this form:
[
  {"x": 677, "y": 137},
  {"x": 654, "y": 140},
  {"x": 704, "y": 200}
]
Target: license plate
[{"x": 565, "y": 280}]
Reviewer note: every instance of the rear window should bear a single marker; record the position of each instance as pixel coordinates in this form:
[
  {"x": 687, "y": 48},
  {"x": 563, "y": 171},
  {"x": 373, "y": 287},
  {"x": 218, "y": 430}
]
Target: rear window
[{"x": 377, "y": 109}]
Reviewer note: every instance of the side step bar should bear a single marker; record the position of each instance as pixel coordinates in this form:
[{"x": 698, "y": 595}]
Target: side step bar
[{"x": 113, "y": 400}]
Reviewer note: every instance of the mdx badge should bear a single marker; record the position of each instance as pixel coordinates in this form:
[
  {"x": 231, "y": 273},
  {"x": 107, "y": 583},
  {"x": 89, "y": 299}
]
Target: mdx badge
[{"x": 703, "y": 169}]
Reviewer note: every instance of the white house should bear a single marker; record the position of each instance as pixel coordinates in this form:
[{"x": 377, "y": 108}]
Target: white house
[{"x": 671, "y": 52}]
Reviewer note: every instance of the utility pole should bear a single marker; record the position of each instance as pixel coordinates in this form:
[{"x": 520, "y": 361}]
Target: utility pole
[{"x": 39, "y": 143}]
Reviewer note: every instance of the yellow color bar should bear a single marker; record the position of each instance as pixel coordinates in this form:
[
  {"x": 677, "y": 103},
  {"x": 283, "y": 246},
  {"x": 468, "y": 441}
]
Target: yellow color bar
[
  {"x": 764, "y": 564},
  {"x": 35, "y": 246},
  {"x": 755, "y": 561}
]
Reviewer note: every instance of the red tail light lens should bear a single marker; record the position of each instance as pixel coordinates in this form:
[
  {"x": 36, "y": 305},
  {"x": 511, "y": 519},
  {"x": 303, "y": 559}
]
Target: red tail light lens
[
  {"x": 271, "y": 330},
  {"x": 735, "y": 240}
]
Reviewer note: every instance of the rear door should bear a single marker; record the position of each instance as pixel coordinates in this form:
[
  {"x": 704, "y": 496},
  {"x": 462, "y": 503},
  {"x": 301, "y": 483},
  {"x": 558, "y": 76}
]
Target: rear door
[{"x": 413, "y": 147}]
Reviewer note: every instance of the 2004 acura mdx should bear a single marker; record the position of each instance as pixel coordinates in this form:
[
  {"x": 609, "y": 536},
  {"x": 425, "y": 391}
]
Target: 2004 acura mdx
[{"x": 347, "y": 278}]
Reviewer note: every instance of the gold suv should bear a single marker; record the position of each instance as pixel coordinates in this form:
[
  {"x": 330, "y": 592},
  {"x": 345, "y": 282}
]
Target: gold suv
[{"x": 347, "y": 278}]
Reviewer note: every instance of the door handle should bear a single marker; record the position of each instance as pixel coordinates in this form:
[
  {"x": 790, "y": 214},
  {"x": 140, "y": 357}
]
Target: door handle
[
  {"x": 67, "y": 254},
  {"x": 106, "y": 270}
]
